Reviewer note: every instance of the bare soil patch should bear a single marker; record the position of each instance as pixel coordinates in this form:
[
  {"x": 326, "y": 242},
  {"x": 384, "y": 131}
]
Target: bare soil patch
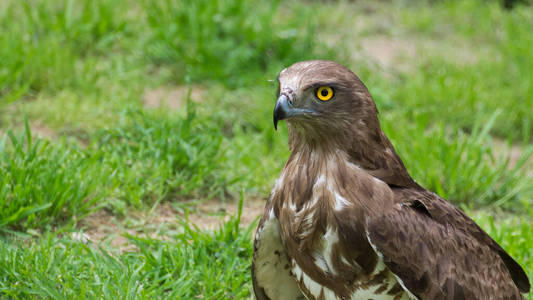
[
  {"x": 389, "y": 52},
  {"x": 209, "y": 215},
  {"x": 513, "y": 152},
  {"x": 104, "y": 227},
  {"x": 405, "y": 53},
  {"x": 39, "y": 129},
  {"x": 371, "y": 32},
  {"x": 172, "y": 98}
]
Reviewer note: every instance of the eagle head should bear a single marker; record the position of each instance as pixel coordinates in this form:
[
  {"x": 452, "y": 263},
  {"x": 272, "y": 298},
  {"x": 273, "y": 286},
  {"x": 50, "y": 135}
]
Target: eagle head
[{"x": 324, "y": 101}]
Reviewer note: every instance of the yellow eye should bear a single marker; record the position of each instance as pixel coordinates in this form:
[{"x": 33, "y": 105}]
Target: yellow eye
[{"x": 324, "y": 93}]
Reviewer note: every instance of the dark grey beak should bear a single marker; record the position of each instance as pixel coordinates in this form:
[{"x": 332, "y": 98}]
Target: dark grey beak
[{"x": 282, "y": 110}]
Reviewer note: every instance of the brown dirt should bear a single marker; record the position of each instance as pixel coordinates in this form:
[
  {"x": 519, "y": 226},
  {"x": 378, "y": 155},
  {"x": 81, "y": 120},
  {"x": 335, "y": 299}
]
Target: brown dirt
[
  {"x": 173, "y": 98},
  {"x": 404, "y": 53},
  {"x": 514, "y": 152},
  {"x": 209, "y": 215},
  {"x": 389, "y": 52},
  {"x": 102, "y": 226},
  {"x": 38, "y": 129}
]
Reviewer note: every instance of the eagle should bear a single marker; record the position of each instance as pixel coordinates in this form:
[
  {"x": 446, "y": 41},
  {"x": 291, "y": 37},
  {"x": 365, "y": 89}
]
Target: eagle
[{"x": 345, "y": 220}]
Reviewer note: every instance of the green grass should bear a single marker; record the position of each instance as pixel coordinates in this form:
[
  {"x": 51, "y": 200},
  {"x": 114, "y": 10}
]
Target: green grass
[
  {"x": 157, "y": 158},
  {"x": 142, "y": 161},
  {"x": 186, "y": 264},
  {"x": 489, "y": 79},
  {"x": 81, "y": 69},
  {"x": 220, "y": 40},
  {"x": 45, "y": 184},
  {"x": 50, "y": 46},
  {"x": 462, "y": 167}
]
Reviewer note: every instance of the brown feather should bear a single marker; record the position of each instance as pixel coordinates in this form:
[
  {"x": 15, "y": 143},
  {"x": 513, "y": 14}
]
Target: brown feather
[
  {"x": 424, "y": 236},
  {"x": 351, "y": 219}
]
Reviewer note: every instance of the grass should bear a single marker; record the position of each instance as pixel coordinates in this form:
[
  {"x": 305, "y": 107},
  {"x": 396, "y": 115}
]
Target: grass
[
  {"x": 462, "y": 167},
  {"x": 50, "y": 46},
  {"x": 44, "y": 184},
  {"x": 187, "y": 264},
  {"x": 154, "y": 158},
  {"x": 218, "y": 40},
  {"x": 494, "y": 75},
  {"x": 82, "y": 70}
]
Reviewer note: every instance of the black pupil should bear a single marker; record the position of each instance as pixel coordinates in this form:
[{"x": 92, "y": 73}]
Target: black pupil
[{"x": 324, "y": 92}]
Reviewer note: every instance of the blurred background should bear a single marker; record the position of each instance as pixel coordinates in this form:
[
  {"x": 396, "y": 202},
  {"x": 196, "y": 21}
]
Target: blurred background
[{"x": 136, "y": 140}]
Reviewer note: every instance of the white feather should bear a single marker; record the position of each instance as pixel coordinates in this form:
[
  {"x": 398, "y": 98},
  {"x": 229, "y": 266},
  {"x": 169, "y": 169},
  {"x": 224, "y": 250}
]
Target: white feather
[
  {"x": 312, "y": 286},
  {"x": 340, "y": 202},
  {"x": 270, "y": 261}
]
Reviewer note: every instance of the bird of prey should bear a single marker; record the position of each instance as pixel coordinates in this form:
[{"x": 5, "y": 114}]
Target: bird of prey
[{"x": 345, "y": 220}]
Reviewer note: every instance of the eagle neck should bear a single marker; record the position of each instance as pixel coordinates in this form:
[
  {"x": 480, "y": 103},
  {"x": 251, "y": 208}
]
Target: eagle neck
[
  {"x": 306, "y": 169},
  {"x": 368, "y": 149}
]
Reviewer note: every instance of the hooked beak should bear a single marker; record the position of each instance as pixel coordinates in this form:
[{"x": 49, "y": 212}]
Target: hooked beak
[{"x": 284, "y": 109}]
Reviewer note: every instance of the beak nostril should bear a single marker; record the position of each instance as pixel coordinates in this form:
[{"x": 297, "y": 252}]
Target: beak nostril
[
  {"x": 285, "y": 109},
  {"x": 290, "y": 96}
]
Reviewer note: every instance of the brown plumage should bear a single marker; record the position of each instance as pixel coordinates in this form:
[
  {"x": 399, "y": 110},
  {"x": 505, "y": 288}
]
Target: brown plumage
[{"x": 346, "y": 221}]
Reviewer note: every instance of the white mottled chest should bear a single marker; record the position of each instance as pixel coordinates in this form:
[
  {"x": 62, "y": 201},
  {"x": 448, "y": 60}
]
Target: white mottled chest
[
  {"x": 310, "y": 223},
  {"x": 271, "y": 264},
  {"x": 369, "y": 288}
]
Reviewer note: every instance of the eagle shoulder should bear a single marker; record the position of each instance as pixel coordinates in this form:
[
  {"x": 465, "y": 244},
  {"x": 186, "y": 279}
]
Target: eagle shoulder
[{"x": 438, "y": 252}]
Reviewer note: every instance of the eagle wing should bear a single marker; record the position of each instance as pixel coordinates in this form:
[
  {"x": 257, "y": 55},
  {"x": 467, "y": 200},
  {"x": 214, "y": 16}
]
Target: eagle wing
[{"x": 437, "y": 252}]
